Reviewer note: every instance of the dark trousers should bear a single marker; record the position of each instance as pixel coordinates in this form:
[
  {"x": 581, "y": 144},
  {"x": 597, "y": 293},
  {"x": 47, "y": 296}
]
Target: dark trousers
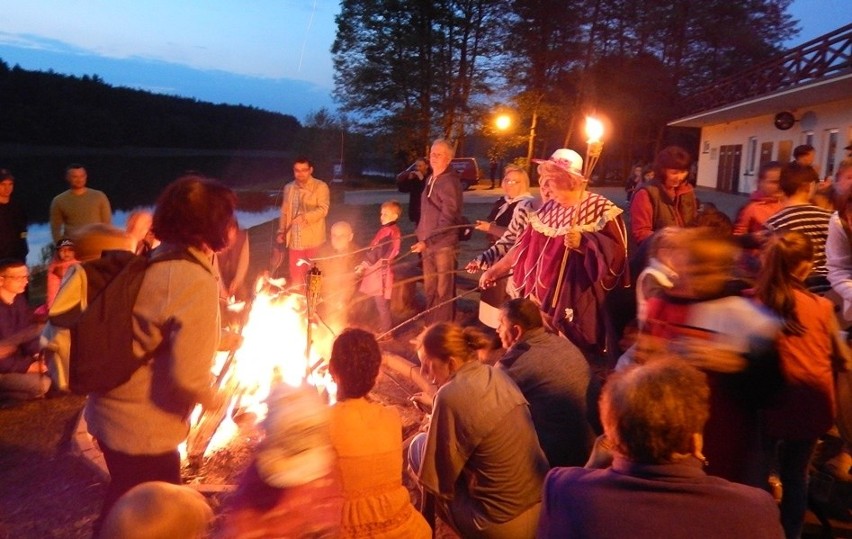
[
  {"x": 384, "y": 311},
  {"x": 793, "y": 458},
  {"x": 127, "y": 471},
  {"x": 439, "y": 283}
]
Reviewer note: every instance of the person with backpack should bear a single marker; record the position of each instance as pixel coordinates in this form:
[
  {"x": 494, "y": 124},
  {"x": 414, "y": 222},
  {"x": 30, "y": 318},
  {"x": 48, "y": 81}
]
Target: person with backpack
[{"x": 175, "y": 333}]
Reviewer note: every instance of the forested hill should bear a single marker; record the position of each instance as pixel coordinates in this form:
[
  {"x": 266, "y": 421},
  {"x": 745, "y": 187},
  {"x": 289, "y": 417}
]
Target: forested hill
[
  {"x": 46, "y": 108},
  {"x": 131, "y": 142}
]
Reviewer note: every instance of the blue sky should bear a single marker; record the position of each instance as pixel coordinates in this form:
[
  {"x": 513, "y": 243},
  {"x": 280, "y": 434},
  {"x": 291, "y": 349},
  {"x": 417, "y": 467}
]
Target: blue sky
[{"x": 272, "y": 54}]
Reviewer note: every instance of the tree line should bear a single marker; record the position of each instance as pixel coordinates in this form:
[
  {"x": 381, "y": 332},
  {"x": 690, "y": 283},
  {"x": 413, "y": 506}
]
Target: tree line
[
  {"x": 411, "y": 70},
  {"x": 134, "y": 142},
  {"x": 47, "y": 108}
]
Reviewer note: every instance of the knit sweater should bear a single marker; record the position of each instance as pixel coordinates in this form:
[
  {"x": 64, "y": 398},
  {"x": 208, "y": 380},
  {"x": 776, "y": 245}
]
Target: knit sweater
[
  {"x": 69, "y": 211},
  {"x": 176, "y": 316}
]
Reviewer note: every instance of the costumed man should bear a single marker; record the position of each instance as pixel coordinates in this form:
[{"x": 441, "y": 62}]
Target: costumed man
[{"x": 572, "y": 253}]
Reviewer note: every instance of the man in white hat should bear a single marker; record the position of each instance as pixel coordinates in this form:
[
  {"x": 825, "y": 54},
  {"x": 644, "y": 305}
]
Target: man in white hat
[{"x": 573, "y": 252}]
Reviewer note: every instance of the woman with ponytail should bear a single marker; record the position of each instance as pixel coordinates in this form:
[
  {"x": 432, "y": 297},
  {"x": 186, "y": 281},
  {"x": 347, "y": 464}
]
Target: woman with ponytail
[
  {"x": 805, "y": 407},
  {"x": 480, "y": 458}
]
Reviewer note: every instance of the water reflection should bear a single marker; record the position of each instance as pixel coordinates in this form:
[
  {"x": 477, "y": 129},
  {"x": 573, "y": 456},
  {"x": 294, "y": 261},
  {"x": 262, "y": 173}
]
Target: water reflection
[{"x": 38, "y": 234}]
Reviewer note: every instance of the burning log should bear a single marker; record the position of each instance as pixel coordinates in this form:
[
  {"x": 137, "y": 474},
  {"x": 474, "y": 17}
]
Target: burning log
[
  {"x": 208, "y": 423},
  {"x": 276, "y": 325}
]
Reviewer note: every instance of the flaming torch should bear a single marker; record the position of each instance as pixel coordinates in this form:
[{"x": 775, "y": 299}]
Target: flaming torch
[{"x": 594, "y": 145}]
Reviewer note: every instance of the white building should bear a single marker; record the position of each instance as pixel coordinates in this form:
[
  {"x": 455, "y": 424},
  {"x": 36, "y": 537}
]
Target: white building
[{"x": 801, "y": 97}]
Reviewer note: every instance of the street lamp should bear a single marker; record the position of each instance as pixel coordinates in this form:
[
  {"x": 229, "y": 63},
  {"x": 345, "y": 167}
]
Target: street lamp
[{"x": 503, "y": 122}]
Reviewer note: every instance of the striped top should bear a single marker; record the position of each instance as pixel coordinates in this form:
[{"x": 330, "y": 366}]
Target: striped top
[
  {"x": 498, "y": 250},
  {"x": 810, "y": 220}
]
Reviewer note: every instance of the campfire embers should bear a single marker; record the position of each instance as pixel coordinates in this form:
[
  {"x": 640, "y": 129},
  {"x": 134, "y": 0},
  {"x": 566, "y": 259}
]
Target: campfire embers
[{"x": 275, "y": 349}]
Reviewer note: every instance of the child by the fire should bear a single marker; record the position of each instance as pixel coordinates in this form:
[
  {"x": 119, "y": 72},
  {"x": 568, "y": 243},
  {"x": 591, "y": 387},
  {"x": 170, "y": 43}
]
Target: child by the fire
[
  {"x": 62, "y": 260},
  {"x": 376, "y": 272}
]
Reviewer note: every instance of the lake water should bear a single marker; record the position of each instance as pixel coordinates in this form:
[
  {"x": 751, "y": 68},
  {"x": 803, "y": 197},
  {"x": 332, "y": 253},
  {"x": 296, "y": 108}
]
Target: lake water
[{"x": 38, "y": 234}]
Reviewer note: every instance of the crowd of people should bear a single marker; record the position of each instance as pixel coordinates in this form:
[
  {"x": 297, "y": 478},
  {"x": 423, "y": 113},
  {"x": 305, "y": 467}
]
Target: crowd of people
[{"x": 644, "y": 374}]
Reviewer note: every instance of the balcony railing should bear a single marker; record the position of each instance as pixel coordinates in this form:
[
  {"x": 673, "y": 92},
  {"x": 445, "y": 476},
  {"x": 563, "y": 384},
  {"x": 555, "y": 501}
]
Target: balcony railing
[{"x": 824, "y": 57}]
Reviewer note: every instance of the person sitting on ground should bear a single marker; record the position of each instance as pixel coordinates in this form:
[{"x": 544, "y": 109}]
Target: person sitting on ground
[
  {"x": 158, "y": 510},
  {"x": 653, "y": 417},
  {"x": 367, "y": 437},
  {"x": 22, "y": 375},
  {"x": 553, "y": 376},
  {"x": 482, "y": 463},
  {"x": 763, "y": 203},
  {"x": 375, "y": 271},
  {"x": 292, "y": 487}
]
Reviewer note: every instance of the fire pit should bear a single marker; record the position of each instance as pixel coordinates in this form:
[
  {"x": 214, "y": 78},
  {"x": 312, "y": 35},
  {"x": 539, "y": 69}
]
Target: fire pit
[{"x": 275, "y": 349}]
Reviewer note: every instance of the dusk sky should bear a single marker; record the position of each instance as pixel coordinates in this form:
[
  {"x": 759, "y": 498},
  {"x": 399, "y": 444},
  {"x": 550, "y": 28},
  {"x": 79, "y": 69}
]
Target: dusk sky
[{"x": 272, "y": 54}]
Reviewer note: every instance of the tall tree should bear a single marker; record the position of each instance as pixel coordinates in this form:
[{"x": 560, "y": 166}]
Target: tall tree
[{"x": 413, "y": 67}]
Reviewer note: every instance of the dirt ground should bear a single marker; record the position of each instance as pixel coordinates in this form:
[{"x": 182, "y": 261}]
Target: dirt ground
[{"x": 48, "y": 491}]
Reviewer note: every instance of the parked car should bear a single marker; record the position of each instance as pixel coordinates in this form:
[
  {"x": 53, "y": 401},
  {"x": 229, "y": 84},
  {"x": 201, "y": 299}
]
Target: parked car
[{"x": 466, "y": 167}]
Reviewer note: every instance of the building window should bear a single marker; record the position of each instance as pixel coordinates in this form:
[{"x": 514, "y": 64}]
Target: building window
[
  {"x": 809, "y": 138},
  {"x": 751, "y": 157},
  {"x": 831, "y": 152}
]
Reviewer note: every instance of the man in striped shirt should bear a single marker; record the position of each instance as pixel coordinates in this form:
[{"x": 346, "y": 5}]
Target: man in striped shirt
[{"x": 798, "y": 183}]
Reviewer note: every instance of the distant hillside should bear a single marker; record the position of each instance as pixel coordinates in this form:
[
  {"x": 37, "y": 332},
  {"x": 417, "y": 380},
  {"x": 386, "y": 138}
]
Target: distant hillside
[{"x": 46, "y": 108}]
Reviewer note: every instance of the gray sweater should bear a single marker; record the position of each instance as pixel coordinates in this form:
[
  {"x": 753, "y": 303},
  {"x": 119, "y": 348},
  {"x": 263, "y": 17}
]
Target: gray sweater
[{"x": 176, "y": 314}]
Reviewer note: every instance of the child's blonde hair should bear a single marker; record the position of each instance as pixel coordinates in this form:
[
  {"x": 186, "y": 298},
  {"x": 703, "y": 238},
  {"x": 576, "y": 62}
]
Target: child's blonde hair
[{"x": 392, "y": 205}]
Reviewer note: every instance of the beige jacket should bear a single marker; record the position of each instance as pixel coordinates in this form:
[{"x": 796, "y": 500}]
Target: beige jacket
[{"x": 312, "y": 201}]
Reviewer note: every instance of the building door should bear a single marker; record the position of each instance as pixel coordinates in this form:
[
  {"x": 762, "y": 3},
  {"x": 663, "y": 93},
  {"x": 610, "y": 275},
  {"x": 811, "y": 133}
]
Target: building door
[
  {"x": 765, "y": 153},
  {"x": 728, "y": 175},
  {"x": 785, "y": 151}
]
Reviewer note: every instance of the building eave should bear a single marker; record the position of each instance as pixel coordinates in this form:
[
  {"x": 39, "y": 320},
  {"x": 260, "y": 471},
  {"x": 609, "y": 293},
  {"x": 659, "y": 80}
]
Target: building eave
[{"x": 789, "y": 99}]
